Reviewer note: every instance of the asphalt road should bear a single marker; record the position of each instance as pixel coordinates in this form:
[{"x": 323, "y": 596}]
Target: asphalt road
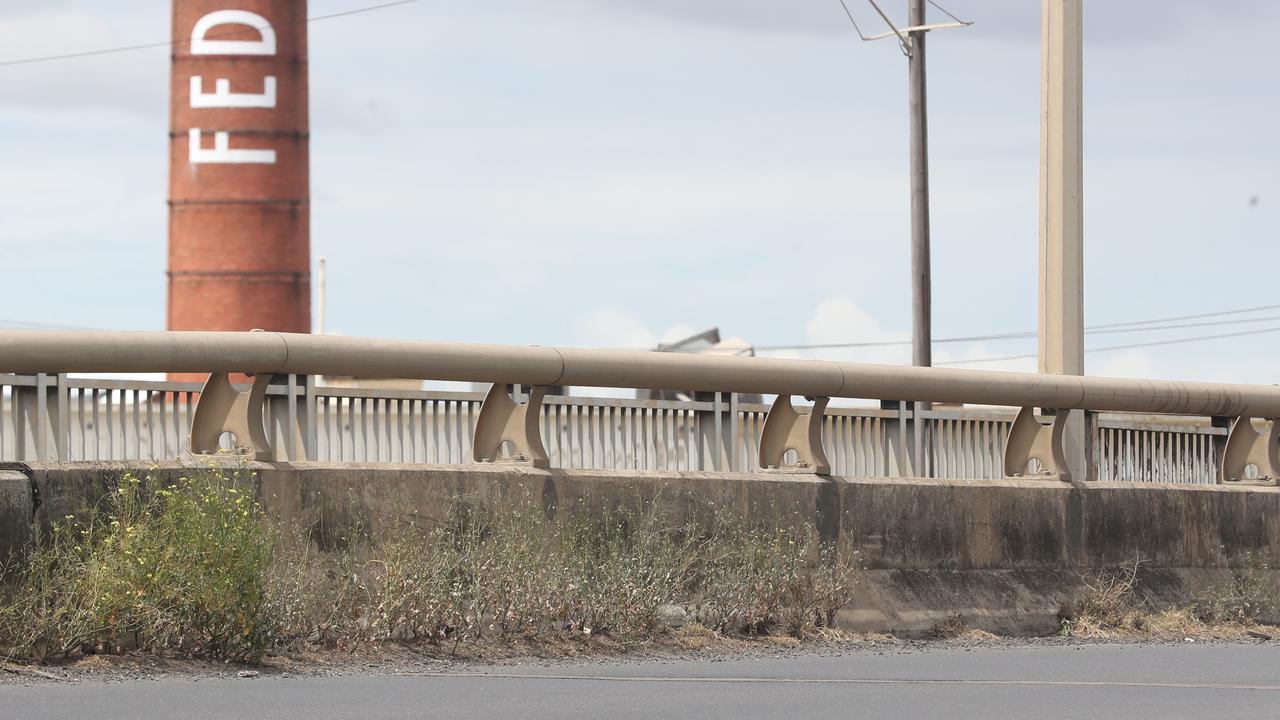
[{"x": 1076, "y": 682}]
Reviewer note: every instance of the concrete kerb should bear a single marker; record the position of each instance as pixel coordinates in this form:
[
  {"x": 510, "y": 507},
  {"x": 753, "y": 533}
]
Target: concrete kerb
[{"x": 1002, "y": 555}]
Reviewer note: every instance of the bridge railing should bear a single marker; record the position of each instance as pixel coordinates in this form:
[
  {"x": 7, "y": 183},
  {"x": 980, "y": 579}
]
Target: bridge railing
[{"x": 1143, "y": 431}]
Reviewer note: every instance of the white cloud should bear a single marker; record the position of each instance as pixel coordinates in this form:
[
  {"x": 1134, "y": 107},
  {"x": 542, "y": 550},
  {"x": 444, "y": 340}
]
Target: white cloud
[
  {"x": 136, "y": 82},
  {"x": 839, "y": 320},
  {"x": 1134, "y": 363},
  {"x": 613, "y": 327}
]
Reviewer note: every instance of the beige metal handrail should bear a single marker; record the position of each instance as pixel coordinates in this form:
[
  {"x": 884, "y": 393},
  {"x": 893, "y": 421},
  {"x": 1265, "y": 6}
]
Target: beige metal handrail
[
  {"x": 29, "y": 352},
  {"x": 265, "y": 353}
]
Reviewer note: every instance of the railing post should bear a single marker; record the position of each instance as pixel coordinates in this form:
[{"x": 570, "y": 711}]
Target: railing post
[
  {"x": 40, "y": 428},
  {"x": 222, "y": 408},
  {"x": 711, "y": 441},
  {"x": 1092, "y": 441},
  {"x": 787, "y": 429},
  {"x": 919, "y": 441},
  {"x": 1219, "y": 444},
  {"x": 19, "y": 400},
  {"x": 718, "y": 409},
  {"x": 286, "y": 426},
  {"x": 503, "y": 419},
  {"x": 1246, "y": 446},
  {"x": 292, "y": 435},
  {"x": 897, "y": 439},
  {"x": 735, "y": 429},
  {"x": 311, "y": 426},
  {"x": 40, "y": 420},
  {"x": 1030, "y": 440}
]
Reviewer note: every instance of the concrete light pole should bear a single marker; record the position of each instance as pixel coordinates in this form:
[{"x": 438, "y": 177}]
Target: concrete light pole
[
  {"x": 321, "y": 294},
  {"x": 1061, "y": 321}
]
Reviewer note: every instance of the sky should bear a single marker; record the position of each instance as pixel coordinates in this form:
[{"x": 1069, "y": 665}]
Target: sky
[{"x": 620, "y": 172}]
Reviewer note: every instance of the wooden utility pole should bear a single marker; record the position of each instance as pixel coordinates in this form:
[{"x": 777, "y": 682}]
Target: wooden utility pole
[
  {"x": 921, "y": 282},
  {"x": 912, "y": 40}
]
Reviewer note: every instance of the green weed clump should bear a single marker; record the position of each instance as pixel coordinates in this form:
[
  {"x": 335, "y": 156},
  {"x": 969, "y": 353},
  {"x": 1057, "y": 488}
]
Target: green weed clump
[{"x": 161, "y": 567}]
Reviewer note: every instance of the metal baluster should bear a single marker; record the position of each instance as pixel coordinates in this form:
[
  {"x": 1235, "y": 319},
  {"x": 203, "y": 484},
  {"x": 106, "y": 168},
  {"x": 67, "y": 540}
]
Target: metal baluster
[
  {"x": 368, "y": 419},
  {"x": 111, "y": 426},
  {"x": 642, "y": 430},
  {"x": 428, "y": 424},
  {"x": 866, "y": 430},
  {"x": 412, "y": 428},
  {"x": 447, "y": 450},
  {"x": 391, "y": 432},
  {"x": 628, "y": 461},
  {"x": 608, "y": 443},
  {"x": 564, "y": 434},
  {"x": 342, "y": 427},
  {"x": 436, "y": 429},
  {"x": 164, "y": 426},
  {"x": 151, "y": 428},
  {"x": 589, "y": 436},
  {"x": 576, "y": 439},
  {"x": 84, "y": 449},
  {"x": 410, "y": 431},
  {"x": 324, "y": 448},
  {"x": 178, "y": 435},
  {"x": 461, "y": 418}
]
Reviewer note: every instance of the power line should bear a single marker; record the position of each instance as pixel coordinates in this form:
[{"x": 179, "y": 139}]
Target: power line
[
  {"x": 1220, "y": 313},
  {"x": 87, "y": 53},
  {"x": 1106, "y": 329},
  {"x": 892, "y": 343},
  {"x": 358, "y": 11},
  {"x": 177, "y": 43},
  {"x": 949, "y": 14},
  {"x": 1089, "y": 351},
  {"x": 1111, "y": 330},
  {"x": 849, "y": 13}
]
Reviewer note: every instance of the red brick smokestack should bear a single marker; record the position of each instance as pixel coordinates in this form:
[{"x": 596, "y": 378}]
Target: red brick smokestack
[{"x": 239, "y": 207}]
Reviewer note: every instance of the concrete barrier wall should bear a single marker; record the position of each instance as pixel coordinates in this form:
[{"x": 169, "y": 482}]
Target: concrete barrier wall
[{"x": 1003, "y": 555}]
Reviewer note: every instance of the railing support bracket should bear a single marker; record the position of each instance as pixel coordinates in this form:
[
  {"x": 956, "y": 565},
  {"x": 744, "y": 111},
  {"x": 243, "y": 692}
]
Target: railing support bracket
[
  {"x": 222, "y": 408},
  {"x": 503, "y": 420},
  {"x": 1030, "y": 440},
  {"x": 1246, "y": 446},
  {"x": 786, "y": 428}
]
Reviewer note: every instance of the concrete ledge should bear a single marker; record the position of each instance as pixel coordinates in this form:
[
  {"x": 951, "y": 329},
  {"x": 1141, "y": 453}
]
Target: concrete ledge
[
  {"x": 18, "y": 503},
  {"x": 1004, "y": 555}
]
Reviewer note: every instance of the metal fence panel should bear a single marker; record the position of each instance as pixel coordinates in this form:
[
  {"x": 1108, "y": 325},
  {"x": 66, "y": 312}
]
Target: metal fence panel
[{"x": 76, "y": 419}]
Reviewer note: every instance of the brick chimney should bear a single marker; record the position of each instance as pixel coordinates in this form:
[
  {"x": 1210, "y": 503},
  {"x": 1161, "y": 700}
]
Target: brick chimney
[{"x": 239, "y": 191}]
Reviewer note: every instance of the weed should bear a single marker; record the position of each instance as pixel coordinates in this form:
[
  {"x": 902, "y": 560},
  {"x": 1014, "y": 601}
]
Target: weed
[
  {"x": 1250, "y": 592},
  {"x": 953, "y": 626},
  {"x": 178, "y": 566},
  {"x": 1108, "y": 606}
]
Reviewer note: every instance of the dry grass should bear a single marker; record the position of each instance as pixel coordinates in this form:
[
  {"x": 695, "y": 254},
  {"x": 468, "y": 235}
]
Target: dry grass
[
  {"x": 505, "y": 571},
  {"x": 197, "y": 569},
  {"x": 953, "y": 626},
  {"x": 1108, "y": 606}
]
